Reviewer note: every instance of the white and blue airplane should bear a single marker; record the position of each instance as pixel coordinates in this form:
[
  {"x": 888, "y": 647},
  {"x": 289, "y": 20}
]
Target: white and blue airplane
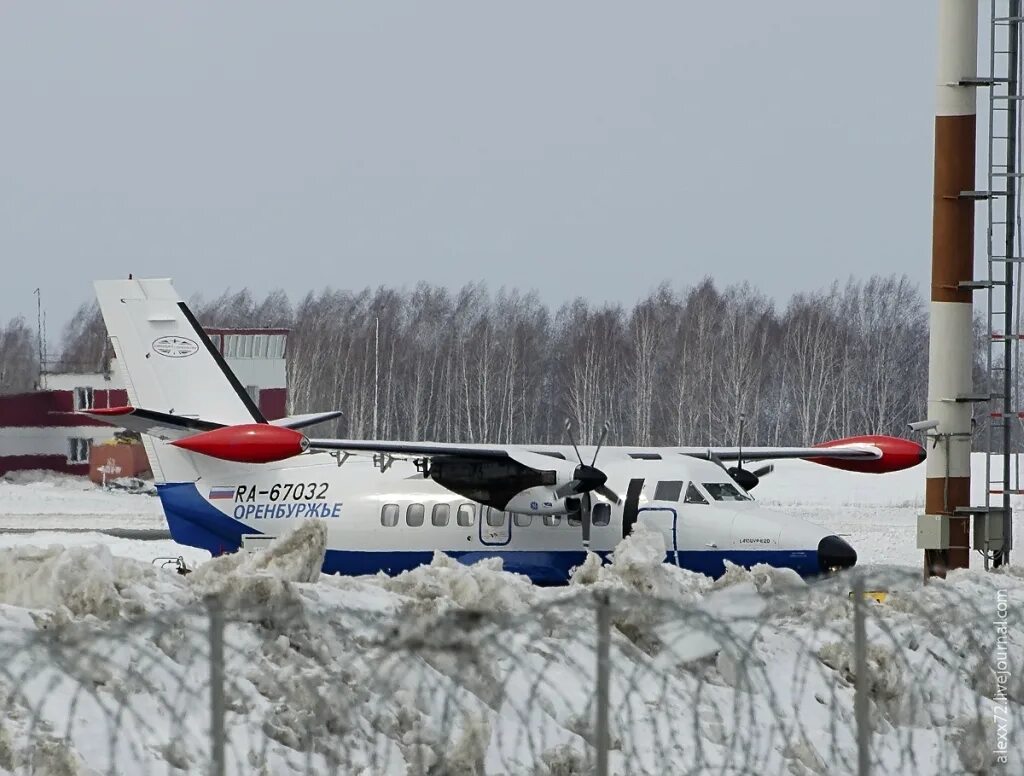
[{"x": 226, "y": 476}]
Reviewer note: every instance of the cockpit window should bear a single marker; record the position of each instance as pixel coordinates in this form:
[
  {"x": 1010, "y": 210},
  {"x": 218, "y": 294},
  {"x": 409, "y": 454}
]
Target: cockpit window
[
  {"x": 693, "y": 496},
  {"x": 725, "y": 491},
  {"x": 668, "y": 490}
]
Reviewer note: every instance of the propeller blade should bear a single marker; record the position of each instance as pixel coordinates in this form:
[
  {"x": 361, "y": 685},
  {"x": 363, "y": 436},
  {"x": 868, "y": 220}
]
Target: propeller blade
[
  {"x": 716, "y": 460},
  {"x": 585, "y": 524},
  {"x": 739, "y": 458},
  {"x": 568, "y": 430},
  {"x": 608, "y": 493},
  {"x": 764, "y": 470},
  {"x": 567, "y": 489},
  {"x": 600, "y": 442}
]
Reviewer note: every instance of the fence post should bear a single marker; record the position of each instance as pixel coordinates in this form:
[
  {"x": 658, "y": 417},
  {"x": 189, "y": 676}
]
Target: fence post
[
  {"x": 602, "y": 696},
  {"x": 216, "y": 613},
  {"x": 860, "y": 688}
]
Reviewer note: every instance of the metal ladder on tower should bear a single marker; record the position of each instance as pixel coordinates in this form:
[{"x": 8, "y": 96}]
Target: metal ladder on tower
[{"x": 1005, "y": 258}]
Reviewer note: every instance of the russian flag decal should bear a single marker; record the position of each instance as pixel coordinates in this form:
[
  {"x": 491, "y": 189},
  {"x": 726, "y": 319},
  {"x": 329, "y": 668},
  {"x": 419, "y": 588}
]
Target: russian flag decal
[{"x": 222, "y": 492}]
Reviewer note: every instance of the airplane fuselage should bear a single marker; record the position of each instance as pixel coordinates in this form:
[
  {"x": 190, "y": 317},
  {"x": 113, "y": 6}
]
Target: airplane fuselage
[{"x": 395, "y": 520}]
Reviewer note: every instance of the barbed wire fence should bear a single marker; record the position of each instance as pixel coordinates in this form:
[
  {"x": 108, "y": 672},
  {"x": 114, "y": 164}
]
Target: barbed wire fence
[{"x": 758, "y": 677}]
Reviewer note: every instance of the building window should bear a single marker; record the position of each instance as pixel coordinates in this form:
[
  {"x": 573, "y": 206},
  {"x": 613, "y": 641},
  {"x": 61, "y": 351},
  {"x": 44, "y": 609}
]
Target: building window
[
  {"x": 83, "y": 398},
  {"x": 78, "y": 450},
  {"x": 466, "y": 516},
  {"x": 414, "y": 515},
  {"x": 389, "y": 515},
  {"x": 668, "y": 490},
  {"x": 521, "y": 520},
  {"x": 602, "y": 514},
  {"x": 276, "y": 346},
  {"x": 552, "y": 520},
  {"x": 439, "y": 516}
]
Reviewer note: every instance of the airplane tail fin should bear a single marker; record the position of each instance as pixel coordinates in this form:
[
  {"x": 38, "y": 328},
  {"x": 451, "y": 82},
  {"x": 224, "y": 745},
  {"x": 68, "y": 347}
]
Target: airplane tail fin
[{"x": 170, "y": 366}]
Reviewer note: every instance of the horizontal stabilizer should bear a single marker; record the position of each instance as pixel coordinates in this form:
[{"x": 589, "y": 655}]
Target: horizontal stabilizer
[{"x": 157, "y": 424}]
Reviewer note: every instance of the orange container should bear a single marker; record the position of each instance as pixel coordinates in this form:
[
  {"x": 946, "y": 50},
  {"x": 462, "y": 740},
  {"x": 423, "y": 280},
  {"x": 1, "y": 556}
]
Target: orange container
[{"x": 117, "y": 460}]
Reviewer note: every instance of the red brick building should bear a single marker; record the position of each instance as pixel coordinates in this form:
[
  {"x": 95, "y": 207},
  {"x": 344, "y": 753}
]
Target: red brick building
[{"x": 40, "y": 430}]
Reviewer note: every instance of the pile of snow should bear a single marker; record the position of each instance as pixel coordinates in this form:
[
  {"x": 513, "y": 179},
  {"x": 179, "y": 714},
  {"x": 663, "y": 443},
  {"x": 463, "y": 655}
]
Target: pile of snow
[{"x": 104, "y": 666}]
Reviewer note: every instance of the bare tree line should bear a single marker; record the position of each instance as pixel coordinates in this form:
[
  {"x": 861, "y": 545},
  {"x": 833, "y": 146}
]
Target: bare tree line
[
  {"x": 19, "y": 361},
  {"x": 681, "y": 366}
]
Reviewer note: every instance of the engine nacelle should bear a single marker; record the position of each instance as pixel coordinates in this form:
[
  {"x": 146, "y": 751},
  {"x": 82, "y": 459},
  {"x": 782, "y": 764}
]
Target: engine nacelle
[{"x": 537, "y": 501}]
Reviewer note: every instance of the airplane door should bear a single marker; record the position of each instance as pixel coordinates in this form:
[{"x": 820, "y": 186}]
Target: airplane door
[
  {"x": 631, "y": 506},
  {"x": 663, "y": 520},
  {"x": 495, "y": 527}
]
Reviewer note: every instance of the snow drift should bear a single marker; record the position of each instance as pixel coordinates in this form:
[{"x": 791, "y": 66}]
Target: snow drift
[{"x": 105, "y": 664}]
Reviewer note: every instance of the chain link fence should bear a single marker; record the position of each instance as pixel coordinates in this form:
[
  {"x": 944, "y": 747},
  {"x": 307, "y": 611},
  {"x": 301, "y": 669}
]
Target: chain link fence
[{"x": 756, "y": 673}]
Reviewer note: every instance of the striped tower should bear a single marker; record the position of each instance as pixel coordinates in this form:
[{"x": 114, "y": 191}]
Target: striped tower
[{"x": 950, "y": 342}]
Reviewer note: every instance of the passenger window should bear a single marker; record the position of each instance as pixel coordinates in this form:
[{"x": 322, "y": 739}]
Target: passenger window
[
  {"x": 602, "y": 514},
  {"x": 522, "y": 520},
  {"x": 414, "y": 515},
  {"x": 668, "y": 490},
  {"x": 495, "y": 517},
  {"x": 389, "y": 515},
  {"x": 552, "y": 520},
  {"x": 574, "y": 519},
  {"x": 466, "y": 515},
  {"x": 439, "y": 516},
  {"x": 693, "y": 496}
]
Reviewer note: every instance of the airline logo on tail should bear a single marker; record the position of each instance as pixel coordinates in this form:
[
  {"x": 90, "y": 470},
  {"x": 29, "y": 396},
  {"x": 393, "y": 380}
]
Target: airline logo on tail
[{"x": 175, "y": 347}]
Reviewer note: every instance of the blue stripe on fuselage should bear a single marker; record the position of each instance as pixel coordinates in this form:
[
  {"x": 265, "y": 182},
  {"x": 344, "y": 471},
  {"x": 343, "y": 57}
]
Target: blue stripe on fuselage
[{"x": 194, "y": 522}]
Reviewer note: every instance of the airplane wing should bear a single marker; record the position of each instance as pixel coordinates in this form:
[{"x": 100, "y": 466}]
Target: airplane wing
[
  {"x": 310, "y": 419},
  {"x": 413, "y": 449},
  {"x": 874, "y": 454},
  {"x": 544, "y": 468},
  {"x": 858, "y": 452}
]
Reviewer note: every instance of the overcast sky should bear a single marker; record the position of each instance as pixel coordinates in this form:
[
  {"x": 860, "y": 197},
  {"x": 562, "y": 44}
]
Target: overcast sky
[{"x": 587, "y": 148}]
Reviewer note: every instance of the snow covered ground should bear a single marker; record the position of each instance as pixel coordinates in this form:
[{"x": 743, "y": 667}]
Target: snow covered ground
[
  {"x": 877, "y": 513},
  {"x": 44, "y": 500},
  {"x": 105, "y": 658}
]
